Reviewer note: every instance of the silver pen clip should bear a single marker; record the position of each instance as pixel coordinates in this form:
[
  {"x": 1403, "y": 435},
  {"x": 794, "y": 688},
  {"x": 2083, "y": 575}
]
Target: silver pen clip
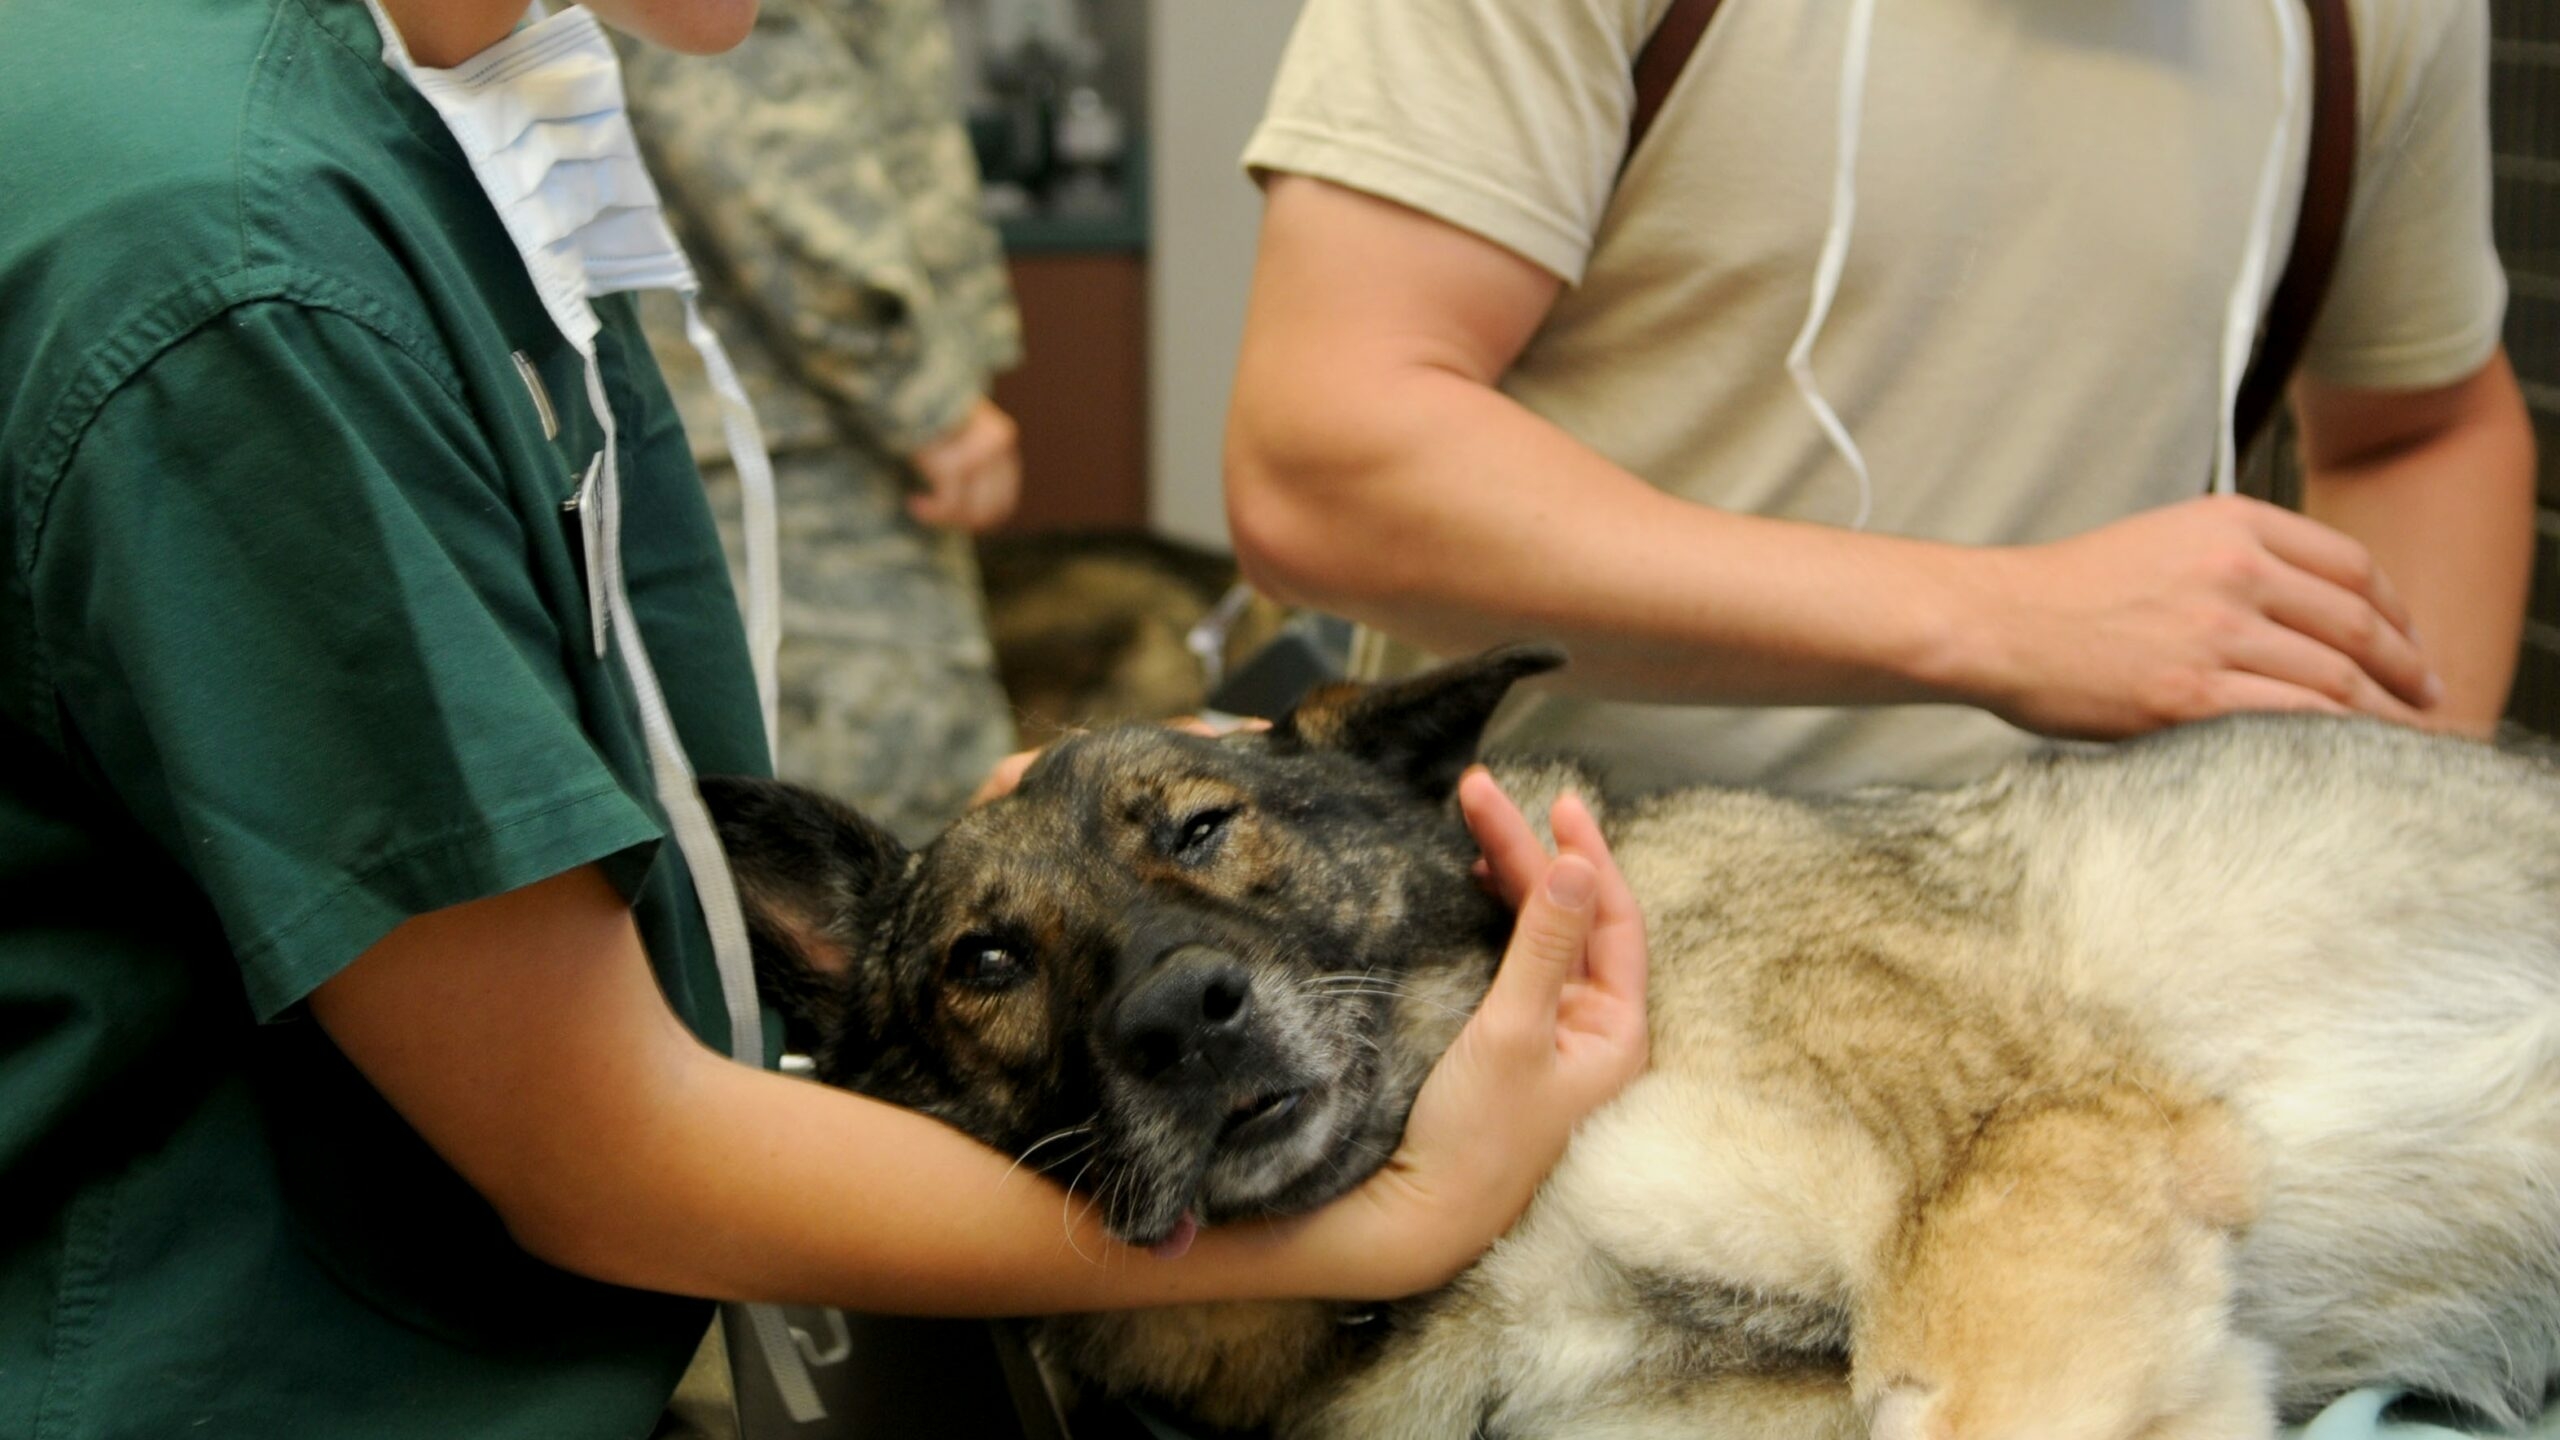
[{"x": 591, "y": 545}]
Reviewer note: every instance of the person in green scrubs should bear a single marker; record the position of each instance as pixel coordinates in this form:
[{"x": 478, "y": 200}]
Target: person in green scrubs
[{"x": 357, "y": 1026}]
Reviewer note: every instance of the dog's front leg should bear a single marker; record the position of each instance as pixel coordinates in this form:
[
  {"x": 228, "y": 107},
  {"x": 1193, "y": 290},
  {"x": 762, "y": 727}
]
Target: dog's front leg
[{"x": 2069, "y": 1279}]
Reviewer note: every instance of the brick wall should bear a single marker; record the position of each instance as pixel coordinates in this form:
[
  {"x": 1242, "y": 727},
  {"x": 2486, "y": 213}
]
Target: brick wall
[{"x": 2524, "y": 104}]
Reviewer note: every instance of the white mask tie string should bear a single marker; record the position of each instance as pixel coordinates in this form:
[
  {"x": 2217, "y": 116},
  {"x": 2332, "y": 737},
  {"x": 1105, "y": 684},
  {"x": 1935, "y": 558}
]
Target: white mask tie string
[
  {"x": 1835, "y": 251},
  {"x": 2246, "y": 309}
]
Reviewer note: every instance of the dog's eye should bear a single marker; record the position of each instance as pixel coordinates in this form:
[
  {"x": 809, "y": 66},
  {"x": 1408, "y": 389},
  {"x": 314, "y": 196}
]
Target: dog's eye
[
  {"x": 1198, "y": 830},
  {"x": 985, "y": 962}
]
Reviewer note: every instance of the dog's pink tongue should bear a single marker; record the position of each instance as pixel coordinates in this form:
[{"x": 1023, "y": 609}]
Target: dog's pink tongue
[{"x": 1175, "y": 1245}]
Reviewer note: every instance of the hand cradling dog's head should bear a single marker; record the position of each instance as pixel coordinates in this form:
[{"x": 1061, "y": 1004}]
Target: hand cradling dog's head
[{"x": 1193, "y": 979}]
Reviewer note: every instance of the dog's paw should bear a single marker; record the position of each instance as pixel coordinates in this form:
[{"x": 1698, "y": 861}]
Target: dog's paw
[
  {"x": 1906, "y": 1412},
  {"x": 2230, "y": 1403},
  {"x": 2233, "y": 1401}
]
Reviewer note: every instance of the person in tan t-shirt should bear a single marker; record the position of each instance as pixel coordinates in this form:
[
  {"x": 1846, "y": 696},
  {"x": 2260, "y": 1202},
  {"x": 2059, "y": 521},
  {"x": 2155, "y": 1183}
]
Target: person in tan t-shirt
[{"x": 1493, "y": 385}]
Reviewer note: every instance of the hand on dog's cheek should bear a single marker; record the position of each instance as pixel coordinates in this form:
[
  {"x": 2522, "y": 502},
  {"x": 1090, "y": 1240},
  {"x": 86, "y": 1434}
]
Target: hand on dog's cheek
[
  {"x": 1561, "y": 1031},
  {"x": 1512, "y": 855}
]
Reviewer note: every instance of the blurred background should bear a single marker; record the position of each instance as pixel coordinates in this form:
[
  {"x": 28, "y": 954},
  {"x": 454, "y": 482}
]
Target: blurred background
[{"x": 2525, "y": 124}]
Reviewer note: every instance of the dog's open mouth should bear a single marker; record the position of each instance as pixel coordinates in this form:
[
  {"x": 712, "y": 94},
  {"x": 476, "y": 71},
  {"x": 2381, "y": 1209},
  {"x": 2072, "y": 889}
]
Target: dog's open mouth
[
  {"x": 1239, "y": 1088},
  {"x": 1260, "y": 1119},
  {"x": 1253, "y": 1155}
]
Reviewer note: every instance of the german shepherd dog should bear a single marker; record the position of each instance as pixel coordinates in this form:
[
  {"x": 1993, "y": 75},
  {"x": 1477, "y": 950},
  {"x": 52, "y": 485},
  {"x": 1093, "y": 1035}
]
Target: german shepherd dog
[{"x": 2157, "y": 1091}]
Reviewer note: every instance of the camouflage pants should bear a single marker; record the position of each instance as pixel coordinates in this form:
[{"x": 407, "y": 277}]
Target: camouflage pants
[{"x": 888, "y": 684}]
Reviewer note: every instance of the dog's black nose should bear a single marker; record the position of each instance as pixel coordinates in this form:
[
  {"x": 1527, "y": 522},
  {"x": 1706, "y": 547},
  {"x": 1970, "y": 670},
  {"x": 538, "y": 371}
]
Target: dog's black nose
[{"x": 1196, "y": 1004}]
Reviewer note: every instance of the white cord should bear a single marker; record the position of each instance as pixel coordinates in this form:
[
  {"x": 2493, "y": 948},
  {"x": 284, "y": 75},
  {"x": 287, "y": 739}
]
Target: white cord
[
  {"x": 697, "y": 839},
  {"x": 1835, "y": 250},
  {"x": 2248, "y": 292},
  {"x": 757, "y": 515}
]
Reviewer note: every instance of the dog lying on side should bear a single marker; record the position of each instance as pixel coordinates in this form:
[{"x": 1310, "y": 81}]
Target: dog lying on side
[{"x": 2157, "y": 1092}]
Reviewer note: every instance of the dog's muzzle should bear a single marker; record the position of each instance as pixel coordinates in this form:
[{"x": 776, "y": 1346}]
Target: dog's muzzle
[
  {"x": 1193, "y": 1008},
  {"x": 1190, "y": 1028}
]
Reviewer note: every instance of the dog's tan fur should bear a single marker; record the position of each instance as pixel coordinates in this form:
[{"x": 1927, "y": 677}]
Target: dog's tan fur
[{"x": 2151, "y": 1093}]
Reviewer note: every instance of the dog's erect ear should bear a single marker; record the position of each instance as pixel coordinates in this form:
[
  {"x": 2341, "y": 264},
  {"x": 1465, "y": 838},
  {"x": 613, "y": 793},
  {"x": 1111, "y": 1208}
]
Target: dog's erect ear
[
  {"x": 806, "y": 868},
  {"x": 1424, "y": 728}
]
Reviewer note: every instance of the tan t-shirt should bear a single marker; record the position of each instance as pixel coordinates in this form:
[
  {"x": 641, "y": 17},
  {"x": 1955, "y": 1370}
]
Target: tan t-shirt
[{"x": 2052, "y": 204}]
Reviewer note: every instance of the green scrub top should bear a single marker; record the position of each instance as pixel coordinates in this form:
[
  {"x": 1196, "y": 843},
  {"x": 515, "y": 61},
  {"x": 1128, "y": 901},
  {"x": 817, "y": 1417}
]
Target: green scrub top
[{"x": 294, "y": 645}]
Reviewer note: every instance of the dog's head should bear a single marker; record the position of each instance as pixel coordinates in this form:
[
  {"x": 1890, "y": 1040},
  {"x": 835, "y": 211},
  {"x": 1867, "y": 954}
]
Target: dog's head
[{"x": 1194, "y": 979}]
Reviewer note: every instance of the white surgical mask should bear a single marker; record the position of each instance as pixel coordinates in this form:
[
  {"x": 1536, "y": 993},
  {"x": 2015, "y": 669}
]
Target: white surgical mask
[
  {"x": 540, "y": 117},
  {"x": 2241, "y": 312}
]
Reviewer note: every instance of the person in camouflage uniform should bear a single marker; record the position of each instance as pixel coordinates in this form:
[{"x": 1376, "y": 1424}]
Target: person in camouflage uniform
[{"x": 822, "y": 182}]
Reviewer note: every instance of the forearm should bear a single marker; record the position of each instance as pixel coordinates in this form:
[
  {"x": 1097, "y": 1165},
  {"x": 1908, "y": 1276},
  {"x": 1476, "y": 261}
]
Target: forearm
[
  {"x": 1439, "y": 509},
  {"x": 1375, "y": 468},
  {"x": 736, "y": 1184},
  {"x": 2449, "y": 517},
  {"x": 526, "y": 1040}
]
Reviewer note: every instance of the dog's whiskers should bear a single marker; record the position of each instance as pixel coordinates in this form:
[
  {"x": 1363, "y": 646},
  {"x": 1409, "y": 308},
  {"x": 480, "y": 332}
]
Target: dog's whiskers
[
  {"x": 1124, "y": 1178},
  {"x": 1084, "y": 1147},
  {"x": 1067, "y": 1220},
  {"x": 1084, "y": 1128},
  {"x": 1365, "y": 1148},
  {"x": 1354, "y": 986},
  {"x": 1092, "y": 1203},
  {"x": 1333, "y": 987}
]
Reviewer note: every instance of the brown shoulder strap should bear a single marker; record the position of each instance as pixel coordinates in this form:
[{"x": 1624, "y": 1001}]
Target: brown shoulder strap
[
  {"x": 2328, "y": 182},
  {"x": 1659, "y": 63}
]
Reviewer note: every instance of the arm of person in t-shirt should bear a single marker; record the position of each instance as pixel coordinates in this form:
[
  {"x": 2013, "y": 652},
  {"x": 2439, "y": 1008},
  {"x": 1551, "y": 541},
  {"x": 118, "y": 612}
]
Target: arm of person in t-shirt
[
  {"x": 524, "y": 1036},
  {"x": 2437, "y": 484},
  {"x": 1376, "y": 470},
  {"x": 2414, "y": 439}
]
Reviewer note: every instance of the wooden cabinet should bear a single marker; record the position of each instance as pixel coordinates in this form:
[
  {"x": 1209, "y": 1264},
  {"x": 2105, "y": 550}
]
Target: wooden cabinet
[{"x": 1080, "y": 394}]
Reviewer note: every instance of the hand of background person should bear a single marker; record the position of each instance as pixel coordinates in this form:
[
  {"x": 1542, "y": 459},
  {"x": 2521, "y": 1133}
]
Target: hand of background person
[
  {"x": 1007, "y": 773},
  {"x": 1561, "y": 1031},
  {"x": 972, "y": 472},
  {"x": 1001, "y": 781},
  {"x": 2209, "y": 606}
]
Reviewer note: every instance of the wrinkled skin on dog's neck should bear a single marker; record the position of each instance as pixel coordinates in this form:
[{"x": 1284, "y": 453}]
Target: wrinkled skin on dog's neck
[{"x": 1192, "y": 979}]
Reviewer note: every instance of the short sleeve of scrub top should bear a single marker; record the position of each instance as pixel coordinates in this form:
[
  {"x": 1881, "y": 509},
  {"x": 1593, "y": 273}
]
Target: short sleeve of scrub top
[{"x": 313, "y": 657}]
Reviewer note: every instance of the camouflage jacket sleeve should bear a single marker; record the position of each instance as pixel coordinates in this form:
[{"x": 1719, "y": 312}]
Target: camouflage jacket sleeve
[
  {"x": 824, "y": 186},
  {"x": 931, "y": 162}
]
